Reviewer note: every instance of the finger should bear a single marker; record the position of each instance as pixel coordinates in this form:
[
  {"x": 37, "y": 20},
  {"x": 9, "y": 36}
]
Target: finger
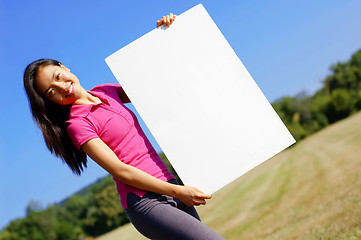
[
  {"x": 159, "y": 23},
  {"x": 171, "y": 18},
  {"x": 203, "y": 195},
  {"x": 200, "y": 202},
  {"x": 167, "y": 21},
  {"x": 206, "y": 196}
]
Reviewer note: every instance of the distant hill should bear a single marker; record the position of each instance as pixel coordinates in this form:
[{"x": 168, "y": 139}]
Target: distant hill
[{"x": 309, "y": 191}]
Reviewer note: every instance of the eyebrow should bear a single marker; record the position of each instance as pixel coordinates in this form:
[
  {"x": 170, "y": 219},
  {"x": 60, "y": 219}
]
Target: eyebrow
[{"x": 49, "y": 87}]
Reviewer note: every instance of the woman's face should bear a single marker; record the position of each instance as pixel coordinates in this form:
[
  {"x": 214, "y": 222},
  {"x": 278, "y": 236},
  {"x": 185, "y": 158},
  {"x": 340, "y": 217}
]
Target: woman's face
[{"x": 57, "y": 84}]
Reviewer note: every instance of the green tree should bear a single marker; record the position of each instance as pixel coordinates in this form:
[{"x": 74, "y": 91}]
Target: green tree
[
  {"x": 106, "y": 212},
  {"x": 340, "y": 106}
]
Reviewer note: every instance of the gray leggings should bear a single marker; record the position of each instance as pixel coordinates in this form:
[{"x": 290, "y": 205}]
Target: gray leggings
[{"x": 159, "y": 216}]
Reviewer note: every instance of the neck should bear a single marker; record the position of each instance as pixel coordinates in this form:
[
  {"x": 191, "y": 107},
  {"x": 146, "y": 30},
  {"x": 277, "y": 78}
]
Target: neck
[{"x": 87, "y": 98}]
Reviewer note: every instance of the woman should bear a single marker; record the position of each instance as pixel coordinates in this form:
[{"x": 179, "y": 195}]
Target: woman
[{"x": 76, "y": 123}]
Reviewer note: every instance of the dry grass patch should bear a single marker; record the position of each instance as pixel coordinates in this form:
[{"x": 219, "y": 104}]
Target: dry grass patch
[{"x": 310, "y": 191}]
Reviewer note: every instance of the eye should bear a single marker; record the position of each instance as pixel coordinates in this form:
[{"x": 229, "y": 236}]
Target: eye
[
  {"x": 58, "y": 76},
  {"x": 50, "y": 92}
]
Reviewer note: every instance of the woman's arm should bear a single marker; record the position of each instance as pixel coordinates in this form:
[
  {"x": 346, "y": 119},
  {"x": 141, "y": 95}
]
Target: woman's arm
[{"x": 106, "y": 158}]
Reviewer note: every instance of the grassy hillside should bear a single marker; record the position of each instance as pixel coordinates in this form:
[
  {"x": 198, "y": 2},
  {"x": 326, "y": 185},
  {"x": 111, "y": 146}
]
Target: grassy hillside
[{"x": 310, "y": 191}]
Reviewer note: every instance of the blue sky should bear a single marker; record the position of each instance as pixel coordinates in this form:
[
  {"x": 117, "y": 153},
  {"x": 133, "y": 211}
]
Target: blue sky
[{"x": 287, "y": 46}]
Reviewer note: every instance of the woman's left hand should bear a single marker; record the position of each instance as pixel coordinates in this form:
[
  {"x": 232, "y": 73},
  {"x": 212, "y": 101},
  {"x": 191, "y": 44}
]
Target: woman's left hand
[
  {"x": 166, "y": 21},
  {"x": 191, "y": 196}
]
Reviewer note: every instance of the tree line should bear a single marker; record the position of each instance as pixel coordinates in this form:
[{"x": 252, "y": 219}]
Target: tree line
[
  {"x": 97, "y": 210},
  {"x": 339, "y": 97},
  {"x": 91, "y": 212}
]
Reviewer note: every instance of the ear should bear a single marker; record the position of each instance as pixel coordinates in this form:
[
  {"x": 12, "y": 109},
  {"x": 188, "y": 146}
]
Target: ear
[{"x": 62, "y": 66}]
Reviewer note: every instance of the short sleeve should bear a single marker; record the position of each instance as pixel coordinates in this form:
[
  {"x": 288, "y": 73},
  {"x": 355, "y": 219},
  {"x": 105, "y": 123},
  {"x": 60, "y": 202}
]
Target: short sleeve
[{"x": 80, "y": 131}]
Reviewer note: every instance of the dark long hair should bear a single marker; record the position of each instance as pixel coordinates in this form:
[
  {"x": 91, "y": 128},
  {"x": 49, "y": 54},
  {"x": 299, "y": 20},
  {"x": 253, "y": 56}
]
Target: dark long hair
[{"x": 50, "y": 118}]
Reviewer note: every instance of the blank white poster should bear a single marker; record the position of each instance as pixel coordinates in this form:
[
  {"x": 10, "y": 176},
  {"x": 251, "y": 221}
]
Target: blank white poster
[{"x": 198, "y": 100}]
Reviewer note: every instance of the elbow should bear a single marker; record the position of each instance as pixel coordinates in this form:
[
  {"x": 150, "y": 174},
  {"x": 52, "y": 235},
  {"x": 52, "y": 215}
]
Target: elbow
[{"x": 123, "y": 174}]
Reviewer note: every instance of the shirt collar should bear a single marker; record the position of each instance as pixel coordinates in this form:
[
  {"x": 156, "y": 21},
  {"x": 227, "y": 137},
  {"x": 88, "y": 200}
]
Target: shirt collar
[{"x": 82, "y": 110}]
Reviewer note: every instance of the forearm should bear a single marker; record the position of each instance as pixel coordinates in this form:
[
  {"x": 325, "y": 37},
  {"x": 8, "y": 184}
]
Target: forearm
[
  {"x": 106, "y": 158},
  {"x": 142, "y": 180}
]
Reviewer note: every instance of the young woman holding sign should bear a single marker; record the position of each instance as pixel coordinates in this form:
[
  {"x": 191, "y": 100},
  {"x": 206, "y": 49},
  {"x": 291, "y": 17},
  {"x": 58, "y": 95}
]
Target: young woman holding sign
[{"x": 76, "y": 123}]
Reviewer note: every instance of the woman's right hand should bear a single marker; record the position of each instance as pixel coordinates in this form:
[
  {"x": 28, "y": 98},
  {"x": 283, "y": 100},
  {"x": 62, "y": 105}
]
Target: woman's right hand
[{"x": 191, "y": 196}]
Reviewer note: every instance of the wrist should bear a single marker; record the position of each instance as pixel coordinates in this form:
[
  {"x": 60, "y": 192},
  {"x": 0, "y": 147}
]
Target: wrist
[{"x": 174, "y": 190}]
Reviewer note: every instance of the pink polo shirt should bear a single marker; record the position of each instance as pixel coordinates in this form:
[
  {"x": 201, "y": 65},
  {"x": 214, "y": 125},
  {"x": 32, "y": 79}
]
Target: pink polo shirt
[{"x": 118, "y": 127}]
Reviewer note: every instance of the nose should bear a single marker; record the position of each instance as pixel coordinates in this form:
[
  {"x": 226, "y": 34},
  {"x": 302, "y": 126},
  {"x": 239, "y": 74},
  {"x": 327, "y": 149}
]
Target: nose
[{"x": 61, "y": 86}]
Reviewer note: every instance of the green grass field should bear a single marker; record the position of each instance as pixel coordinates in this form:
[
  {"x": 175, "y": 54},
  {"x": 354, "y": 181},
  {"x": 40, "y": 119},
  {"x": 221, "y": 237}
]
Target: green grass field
[{"x": 309, "y": 191}]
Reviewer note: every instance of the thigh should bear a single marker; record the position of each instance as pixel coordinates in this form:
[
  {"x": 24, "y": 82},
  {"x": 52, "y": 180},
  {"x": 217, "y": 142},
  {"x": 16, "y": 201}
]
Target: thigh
[
  {"x": 179, "y": 204},
  {"x": 162, "y": 219},
  {"x": 190, "y": 210}
]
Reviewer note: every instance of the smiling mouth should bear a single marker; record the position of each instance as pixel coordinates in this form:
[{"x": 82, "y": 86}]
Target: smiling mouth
[{"x": 71, "y": 89}]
